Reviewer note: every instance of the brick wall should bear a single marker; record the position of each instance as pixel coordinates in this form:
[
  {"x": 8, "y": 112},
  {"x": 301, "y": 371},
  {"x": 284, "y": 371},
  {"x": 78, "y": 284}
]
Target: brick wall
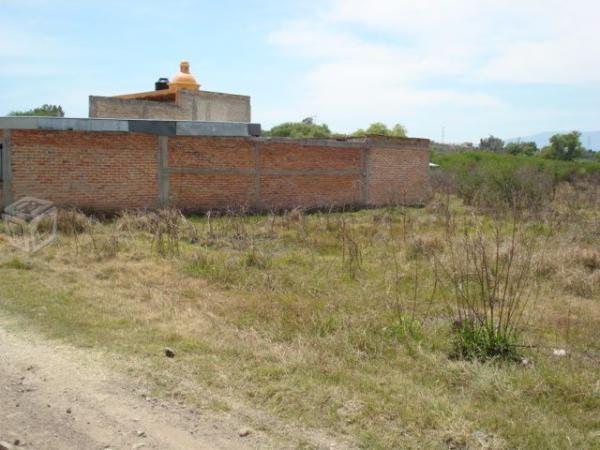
[
  {"x": 211, "y": 172},
  {"x": 398, "y": 177},
  {"x": 85, "y": 169},
  {"x": 305, "y": 174},
  {"x": 118, "y": 170}
]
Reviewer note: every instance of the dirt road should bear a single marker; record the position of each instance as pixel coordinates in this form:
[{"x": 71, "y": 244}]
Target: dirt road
[{"x": 58, "y": 397}]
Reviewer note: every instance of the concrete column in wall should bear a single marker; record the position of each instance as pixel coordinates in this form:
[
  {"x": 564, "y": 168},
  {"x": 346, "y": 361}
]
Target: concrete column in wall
[
  {"x": 7, "y": 194},
  {"x": 163, "y": 171},
  {"x": 364, "y": 177},
  {"x": 257, "y": 165},
  {"x": 195, "y": 109},
  {"x": 92, "y": 107}
]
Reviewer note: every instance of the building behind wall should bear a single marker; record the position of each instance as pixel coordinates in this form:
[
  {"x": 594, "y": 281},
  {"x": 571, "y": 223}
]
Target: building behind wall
[{"x": 177, "y": 99}]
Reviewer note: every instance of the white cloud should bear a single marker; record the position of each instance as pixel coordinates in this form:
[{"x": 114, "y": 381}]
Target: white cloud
[
  {"x": 395, "y": 60},
  {"x": 562, "y": 60},
  {"x": 354, "y": 81},
  {"x": 510, "y": 40}
]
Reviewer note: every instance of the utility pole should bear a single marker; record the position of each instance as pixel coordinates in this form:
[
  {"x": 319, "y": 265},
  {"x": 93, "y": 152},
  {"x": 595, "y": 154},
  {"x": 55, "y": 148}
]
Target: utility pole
[{"x": 443, "y": 134}]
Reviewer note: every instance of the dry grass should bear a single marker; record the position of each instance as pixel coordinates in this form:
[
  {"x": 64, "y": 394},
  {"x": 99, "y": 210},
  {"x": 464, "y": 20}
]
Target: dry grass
[{"x": 338, "y": 322}]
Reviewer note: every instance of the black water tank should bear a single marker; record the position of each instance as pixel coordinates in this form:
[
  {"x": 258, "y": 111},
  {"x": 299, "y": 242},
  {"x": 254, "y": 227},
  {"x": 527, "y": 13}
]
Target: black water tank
[{"x": 161, "y": 84}]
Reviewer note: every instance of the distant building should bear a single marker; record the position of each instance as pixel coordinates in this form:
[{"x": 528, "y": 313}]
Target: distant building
[
  {"x": 177, "y": 99},
  {"x": 452, "y": 148}
]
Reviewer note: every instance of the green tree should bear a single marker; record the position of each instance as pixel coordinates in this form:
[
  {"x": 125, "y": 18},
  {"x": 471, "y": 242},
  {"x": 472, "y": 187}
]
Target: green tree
[
  {"x": 304, "y": 129},
  {"x": 381, "y": 129},
  {"x": 44, "y": 110},
  {"x": 521, "y": 148},
  {"x": 491, "y": 144},
  {"x": 399, "y": 131},
  {"x": 565, "y": 146}
]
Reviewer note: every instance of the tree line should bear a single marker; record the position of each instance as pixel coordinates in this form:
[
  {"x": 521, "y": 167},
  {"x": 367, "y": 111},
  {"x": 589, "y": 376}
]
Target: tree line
[
  {"x": 44, "y": 110},
  {"x": 562, "y": 146},
  {"x": 307, "y": 128}
]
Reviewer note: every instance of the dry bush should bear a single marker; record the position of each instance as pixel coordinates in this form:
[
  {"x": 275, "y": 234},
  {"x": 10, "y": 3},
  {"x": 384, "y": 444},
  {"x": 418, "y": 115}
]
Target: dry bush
[
  {"x": 256, "y": 258},
  {"x": 581, "y": 193},
  {"x": 588, "y": 259},
  {"x": 546, "y": 265},
  {"x": 583, "y": 284},
  {"x": 295, "y": 215},
  {"x": 133, "y": 222},
  {"x": 231, "y": 225},
  {"x": 105, "y": 244},
  {"x": 379, "y": 219},
  {"x": 443, "y": 182},
  {"x": 423, "y": 246},
  {"x": 573, "y": 268},
  {"x": 167, "y": 227},
  {"x": 490, "y": 279},
  {"x": 352, "y": 254},
  {"x": 72, "y": 222}
]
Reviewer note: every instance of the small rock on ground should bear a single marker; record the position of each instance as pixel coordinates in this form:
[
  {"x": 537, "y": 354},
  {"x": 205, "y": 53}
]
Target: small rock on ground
[{"x": 243, "y": 432}]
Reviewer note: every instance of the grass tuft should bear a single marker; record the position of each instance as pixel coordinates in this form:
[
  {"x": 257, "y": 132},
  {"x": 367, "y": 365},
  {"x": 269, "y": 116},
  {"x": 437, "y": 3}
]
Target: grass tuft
[
  {"x": 17, "y": 264},
  {"x": 472, "y": 341}
]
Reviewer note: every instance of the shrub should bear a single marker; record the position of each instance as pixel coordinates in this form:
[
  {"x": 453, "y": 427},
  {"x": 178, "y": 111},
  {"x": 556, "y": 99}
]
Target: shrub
[
  {"x": 105, "y": 245},
  {"x": 522, "y": 148},
  {"x": 167, "y": 226},
  {"x": 489, "y": 279},
  {"x": 298, "y": 130},
  {"x": 590, "y": 259},
  {"x": 352, "y": 254},
  {"x": 583, "y": 284},
  {"x": 491, "y": 180},
  {"x": 72, "y": 222},
  {"x": 423, "y": 246},
  {"x": 254, "y": 258}
]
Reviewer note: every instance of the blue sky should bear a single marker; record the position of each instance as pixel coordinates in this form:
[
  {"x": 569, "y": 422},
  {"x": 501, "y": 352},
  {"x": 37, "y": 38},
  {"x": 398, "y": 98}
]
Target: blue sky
[{"x": 504, "y": 67}]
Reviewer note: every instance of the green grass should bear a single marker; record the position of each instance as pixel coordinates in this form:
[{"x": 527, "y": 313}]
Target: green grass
[{"x": 334, "y": 322}]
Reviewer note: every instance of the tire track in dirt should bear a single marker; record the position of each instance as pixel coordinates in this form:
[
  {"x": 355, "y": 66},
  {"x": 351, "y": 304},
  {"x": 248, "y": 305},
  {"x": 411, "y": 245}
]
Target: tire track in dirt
[{"x": 54, "y": 396}]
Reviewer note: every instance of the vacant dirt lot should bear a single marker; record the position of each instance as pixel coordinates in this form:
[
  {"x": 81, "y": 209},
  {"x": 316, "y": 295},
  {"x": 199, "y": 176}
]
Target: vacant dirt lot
[{"x": 329, "y": 329}]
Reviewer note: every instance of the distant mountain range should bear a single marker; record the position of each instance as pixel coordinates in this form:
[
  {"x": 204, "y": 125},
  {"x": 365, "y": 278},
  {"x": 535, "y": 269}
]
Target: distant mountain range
[{"x": 589, "y": 139}]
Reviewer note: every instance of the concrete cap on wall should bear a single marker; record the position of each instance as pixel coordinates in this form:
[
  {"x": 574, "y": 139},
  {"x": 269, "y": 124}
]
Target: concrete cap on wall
[{"x": 158, "y": 127}]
